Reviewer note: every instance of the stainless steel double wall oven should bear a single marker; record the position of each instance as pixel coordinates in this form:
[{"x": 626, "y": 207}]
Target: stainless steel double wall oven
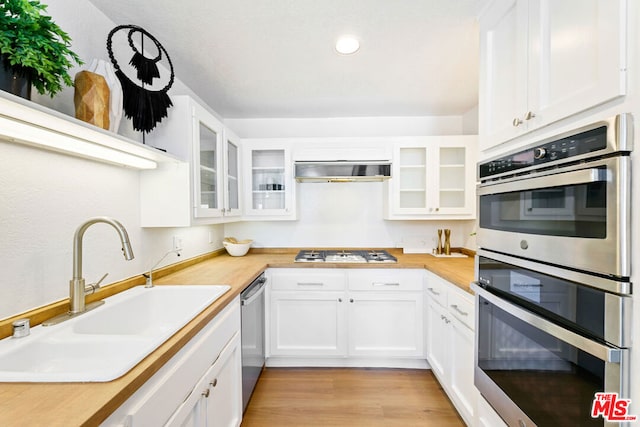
[{"x": 553, "y": 276}]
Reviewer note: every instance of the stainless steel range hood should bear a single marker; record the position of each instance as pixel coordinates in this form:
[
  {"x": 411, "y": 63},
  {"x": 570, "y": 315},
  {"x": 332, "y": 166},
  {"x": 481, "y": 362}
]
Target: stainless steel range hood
[{"x": 342, "y": 171}]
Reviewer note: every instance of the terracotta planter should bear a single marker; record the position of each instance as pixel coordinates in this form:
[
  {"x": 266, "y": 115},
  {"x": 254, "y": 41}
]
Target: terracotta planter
[{"x": 13, "y": 83}]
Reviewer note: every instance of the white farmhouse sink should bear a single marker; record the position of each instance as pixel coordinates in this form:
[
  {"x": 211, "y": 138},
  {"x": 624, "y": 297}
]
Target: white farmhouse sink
[{"x": 105, "y": 343}]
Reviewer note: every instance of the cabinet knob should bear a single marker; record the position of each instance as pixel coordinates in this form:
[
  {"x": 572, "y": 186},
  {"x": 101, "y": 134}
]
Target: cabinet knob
[
  {"x": 339, "y": 299},
  {"x": 205, "y": 393},
  {"x": 530, "y": 115},
  {"x": 350, "y": 299},
  {"x": 437, "y": 209},
  {"x": 517, "y": 122},
  {"x": 214, "y": 382}
]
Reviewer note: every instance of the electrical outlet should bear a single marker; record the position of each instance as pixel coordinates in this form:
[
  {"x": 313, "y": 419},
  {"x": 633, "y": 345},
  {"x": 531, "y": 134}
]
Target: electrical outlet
[{"x": 177, "y": 243}]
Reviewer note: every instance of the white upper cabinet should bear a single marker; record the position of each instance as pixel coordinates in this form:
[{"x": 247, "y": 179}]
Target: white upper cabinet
[
  {"x": 206, "y": 188},
  {"x": 207, "y": 163},
  {"x": 545, "y": 60},
  {"x": 432, "y": 178},
  {"x": 269, "y": 187},
  {"x": 232, "y": 173}
]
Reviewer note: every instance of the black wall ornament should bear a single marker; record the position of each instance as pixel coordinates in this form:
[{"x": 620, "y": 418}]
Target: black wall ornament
[{"x": 145, "y": 107}]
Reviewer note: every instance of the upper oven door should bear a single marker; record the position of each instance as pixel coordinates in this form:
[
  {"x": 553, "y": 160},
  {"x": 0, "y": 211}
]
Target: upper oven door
[{"x": 576, "y": 216}]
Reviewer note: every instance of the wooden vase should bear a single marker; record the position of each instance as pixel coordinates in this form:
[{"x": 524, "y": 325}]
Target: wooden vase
[{"x": 91, "y": 99}]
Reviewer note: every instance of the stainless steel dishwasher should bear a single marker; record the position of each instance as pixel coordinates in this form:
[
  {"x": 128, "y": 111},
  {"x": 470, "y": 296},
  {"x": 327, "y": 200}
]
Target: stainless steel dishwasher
[{"x": 253, "y": 345}]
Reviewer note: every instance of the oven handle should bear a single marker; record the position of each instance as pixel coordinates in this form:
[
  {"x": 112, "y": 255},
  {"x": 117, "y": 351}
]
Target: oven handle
[
  {"x": 603, "y": 352},
  {"x": 602, "y": 283},
  {"x": 582, "y": 176}
]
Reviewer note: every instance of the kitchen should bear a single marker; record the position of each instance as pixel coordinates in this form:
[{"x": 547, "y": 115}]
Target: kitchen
[{"x": 41, "y": 242}]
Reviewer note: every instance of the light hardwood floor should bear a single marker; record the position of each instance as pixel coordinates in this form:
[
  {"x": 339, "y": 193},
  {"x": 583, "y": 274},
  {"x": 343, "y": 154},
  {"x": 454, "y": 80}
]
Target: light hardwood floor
[{"x": 349, "y": 397}]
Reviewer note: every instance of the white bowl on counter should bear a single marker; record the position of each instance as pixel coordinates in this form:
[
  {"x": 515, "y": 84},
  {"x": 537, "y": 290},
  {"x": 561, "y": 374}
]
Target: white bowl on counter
[{"x": 239, "y": 248}]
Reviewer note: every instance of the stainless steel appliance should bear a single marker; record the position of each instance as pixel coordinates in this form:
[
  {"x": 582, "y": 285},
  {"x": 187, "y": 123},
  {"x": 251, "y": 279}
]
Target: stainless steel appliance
[
  {"x": 553, "y": 316},
  {"x": 342, "y": 171},
  {"x": 346, "y": 256},
  {"x": 253, "y": 336},
  {"x": 564, "y": 201},
  {"x": 546, "y": 344}
]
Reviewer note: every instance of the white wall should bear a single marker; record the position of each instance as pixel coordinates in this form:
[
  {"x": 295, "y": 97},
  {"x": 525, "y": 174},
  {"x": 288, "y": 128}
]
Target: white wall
[
  {"x": 470, "y": 122},
  {"x": 345, "y": 215},
  {"x": 345, "y": 126}
]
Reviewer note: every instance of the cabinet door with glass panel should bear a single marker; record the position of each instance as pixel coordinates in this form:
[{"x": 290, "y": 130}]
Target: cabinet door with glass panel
[
  {"x": 432, "y": 177},
  {"x": 232, "y": 174},
  {"x": 208, "y": 162},
  {"x": 269, "y": 186}
]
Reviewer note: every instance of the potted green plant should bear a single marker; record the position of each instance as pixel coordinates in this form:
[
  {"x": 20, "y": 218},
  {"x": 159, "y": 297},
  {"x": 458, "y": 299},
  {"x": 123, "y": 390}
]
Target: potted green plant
[{"x": 34, "y": 47}]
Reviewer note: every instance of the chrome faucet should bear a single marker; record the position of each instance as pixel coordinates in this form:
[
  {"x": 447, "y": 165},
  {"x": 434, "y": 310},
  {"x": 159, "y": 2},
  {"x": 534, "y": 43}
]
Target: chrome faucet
[
  {"x": 77, "y": 288},
  {"x": 149, "y": 275}
]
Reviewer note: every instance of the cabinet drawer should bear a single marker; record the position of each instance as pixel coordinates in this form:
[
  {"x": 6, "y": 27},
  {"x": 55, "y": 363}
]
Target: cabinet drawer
[
  {"x": 312, "y": 279},
  {"x": 461, "y": 308},
  {"x": 436, "y": 289},
  {"x": 382, "y": 280}
]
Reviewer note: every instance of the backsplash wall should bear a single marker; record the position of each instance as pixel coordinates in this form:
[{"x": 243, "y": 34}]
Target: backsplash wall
[{"x": 346, "y": 215}]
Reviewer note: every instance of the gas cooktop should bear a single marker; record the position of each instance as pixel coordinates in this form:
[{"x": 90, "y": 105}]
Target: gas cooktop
[{"x": 345, "y": 256}]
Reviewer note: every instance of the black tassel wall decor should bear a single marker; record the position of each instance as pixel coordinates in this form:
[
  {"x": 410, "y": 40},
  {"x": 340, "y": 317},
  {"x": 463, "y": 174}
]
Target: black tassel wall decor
[
  {"x": 146, "y": 108},
  {"x": 146, "y": 68}
]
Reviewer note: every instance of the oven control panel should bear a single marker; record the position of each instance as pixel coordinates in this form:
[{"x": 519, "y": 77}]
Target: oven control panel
[{"x": 575, "y": 145}]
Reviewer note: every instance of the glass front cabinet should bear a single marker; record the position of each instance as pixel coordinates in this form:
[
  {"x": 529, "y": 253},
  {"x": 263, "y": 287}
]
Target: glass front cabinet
[
  {"x": 269, "y": 185},
  {"x": 205, "y": 186},
  {"x": 432, "y": 177}
]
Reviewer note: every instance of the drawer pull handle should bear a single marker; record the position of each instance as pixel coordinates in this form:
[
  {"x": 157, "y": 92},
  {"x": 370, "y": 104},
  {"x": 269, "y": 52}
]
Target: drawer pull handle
[
  {"x": 433, "y": 291},
  {"x": 385, "y": 284},
  {"x": 310, "y": 284},
  {"x": 462, "y": 313}
]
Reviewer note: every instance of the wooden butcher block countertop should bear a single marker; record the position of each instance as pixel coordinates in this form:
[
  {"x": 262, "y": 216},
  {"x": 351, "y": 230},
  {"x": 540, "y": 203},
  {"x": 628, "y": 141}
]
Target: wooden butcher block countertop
[{"x": 76, "y": 404}]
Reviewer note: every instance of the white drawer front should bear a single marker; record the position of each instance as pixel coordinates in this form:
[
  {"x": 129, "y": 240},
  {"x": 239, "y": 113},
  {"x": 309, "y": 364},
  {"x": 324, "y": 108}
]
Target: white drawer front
[
  {"x": 461, "y": 307},
  {"x": 385, "y": 280},
  {"x": 436, "y": 289},
  {"x": 311, "y": 279}
]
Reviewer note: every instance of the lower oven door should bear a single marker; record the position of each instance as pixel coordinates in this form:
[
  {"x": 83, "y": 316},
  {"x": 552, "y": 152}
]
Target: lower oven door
[
  {"x": 574, "y": 217},
  {"x": 536, "y": 373}
]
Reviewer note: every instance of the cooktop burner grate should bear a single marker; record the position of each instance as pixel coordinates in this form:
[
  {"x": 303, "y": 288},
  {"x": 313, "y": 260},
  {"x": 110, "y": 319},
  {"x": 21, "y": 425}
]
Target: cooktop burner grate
[{"x": 345, "y": 256}]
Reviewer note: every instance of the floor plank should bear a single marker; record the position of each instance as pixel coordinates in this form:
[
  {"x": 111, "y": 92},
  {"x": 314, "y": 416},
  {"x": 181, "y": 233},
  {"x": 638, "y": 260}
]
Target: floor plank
[{"x": 349, "y": 397}]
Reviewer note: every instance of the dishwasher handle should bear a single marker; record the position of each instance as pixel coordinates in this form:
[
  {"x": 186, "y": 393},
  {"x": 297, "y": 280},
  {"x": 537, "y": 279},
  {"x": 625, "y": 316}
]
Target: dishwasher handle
[{"x": 255, "y": 290}]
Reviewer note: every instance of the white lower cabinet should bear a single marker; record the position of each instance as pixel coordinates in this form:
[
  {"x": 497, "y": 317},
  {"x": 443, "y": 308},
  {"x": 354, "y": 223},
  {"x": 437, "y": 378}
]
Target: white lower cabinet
[
  {"x": 200, "y": 386},
  {"x": 308, "y": 323},
  {"x": 319, "y": 314},
  {"x": 449, "y": 342},
  {"x": 213, "y": 401},
  {"x": 385, "y": 324}
]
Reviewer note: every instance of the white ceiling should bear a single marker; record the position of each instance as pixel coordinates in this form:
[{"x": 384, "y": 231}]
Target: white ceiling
[{"x": 276, "y": 58}]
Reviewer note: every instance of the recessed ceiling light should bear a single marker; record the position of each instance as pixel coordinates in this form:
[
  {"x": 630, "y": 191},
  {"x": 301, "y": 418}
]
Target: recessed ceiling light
[{"x": 347, "y": 45}]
